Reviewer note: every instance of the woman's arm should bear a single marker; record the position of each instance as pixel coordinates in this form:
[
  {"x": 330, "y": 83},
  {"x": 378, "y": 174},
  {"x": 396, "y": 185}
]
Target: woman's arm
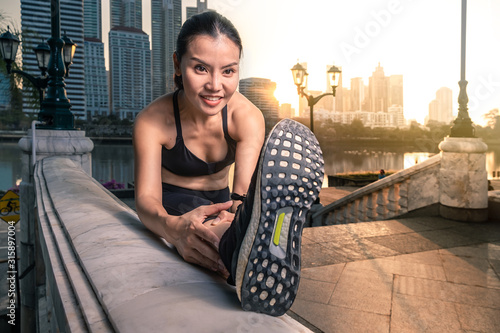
[
  {"x": 194, "y": 241},
  {"x": 248, "y": 129}
]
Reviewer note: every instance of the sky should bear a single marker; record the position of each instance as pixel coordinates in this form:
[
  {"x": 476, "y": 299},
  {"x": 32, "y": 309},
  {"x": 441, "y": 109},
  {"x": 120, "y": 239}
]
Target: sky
[{"x": 419, "y": 39}]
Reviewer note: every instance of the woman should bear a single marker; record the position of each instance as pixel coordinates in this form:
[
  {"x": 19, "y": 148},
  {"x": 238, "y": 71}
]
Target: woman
[
  {"x": 207, "y": 75},
  {"x": 184, "y": 145}
]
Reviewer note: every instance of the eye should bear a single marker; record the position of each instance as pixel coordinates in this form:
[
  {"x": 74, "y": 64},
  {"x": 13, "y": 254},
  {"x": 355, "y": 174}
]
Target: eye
[
  {"x": 229, "y": 71},
  {"x": 200, "y": 68}
]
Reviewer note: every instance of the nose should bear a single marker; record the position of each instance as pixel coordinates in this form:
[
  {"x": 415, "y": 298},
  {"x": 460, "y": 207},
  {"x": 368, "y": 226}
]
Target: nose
[{"x": 215, "y": 82}]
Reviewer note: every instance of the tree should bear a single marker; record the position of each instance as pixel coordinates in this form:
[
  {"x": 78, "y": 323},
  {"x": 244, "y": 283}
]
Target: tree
[
  {"x": 357, "y": 126},
  {"x": 12, "y": 117},
  {"x": 492, "y": 118}
]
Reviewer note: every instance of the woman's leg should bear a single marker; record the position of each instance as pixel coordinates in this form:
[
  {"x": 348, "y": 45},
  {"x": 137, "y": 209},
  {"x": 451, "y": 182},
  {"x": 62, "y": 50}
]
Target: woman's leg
[{"x": 262, "y": 247}]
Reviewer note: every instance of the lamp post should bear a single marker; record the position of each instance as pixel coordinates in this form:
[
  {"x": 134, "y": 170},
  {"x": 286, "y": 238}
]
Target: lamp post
[
  {"x": 463, "y": 125},
  {"x": 300, "y": 79},
  {"x": 55, "y": 59}
]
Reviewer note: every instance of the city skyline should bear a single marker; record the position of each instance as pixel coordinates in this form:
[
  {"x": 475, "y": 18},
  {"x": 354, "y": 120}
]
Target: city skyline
[{"x": 419, "y": 40}]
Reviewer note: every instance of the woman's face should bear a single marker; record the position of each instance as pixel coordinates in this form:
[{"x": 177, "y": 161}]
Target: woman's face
[{"x": 210, "y": 72}]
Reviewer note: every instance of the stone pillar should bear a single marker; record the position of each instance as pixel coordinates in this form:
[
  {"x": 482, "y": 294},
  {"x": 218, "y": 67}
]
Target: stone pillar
[
  {"x": 463, "y": 180},
  {"x": 75, "y": 146}
]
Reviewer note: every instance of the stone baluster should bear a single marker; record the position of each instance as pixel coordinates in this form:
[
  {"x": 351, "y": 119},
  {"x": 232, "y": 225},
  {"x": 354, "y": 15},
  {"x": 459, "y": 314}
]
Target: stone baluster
[
  {"x": 362, "y": 209},
  {"x": 403, "y": 197},
  {"x": 382, "y": 203},
  {"x": 353, "y": 211},
  {"x": 371, "y": 207},
  {"x": 393, "y": 198}
]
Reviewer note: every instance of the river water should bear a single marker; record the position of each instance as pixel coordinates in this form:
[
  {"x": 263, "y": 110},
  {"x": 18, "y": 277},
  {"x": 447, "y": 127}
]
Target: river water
[{"x": 116, "y": 162}]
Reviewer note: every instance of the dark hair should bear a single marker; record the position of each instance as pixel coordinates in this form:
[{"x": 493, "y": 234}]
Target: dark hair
[{"x": 208, "y": 23}]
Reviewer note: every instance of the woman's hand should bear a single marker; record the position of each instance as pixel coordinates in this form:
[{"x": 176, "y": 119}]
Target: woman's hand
[{"x": 194, "y": 241}]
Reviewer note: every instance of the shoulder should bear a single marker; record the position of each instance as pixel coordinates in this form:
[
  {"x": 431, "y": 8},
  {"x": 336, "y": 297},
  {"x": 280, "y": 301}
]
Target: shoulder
[
  {"x": 156, "y": 119},
  {"x": 244, "y": 117}
]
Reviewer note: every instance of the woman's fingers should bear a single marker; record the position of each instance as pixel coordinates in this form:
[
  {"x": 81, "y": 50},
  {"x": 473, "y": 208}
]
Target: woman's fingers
[
  {"x": 202, "y": 253},
  {"x": 215, "y": 209}
]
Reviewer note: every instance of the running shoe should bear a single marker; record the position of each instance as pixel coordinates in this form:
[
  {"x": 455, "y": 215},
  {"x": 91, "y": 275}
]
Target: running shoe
[{"x": 287, "y": 181}]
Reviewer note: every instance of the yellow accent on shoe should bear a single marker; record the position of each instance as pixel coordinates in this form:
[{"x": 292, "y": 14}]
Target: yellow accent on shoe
[{"x": 277, "y": 233}]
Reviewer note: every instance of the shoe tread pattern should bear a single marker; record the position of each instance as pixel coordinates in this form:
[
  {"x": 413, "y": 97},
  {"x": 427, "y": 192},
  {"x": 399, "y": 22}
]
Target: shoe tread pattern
[{"x": 291, "y": 175}]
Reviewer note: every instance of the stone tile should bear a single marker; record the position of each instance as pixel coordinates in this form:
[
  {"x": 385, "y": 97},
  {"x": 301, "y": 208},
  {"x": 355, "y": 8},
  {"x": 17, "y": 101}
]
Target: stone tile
[
  {"x": 329, "y": 273},
  {"x": 391, "y": 266},
  {"x": 485, "y": 250},
  {"x": 447, "y": 291},
  {"x": 478, "y": 319},
  {"x": 315, "y": 291},
  {"x": 470, "y": 271},
  {"x": 427, "y": 258},
  {"x": 434, "y": 222},
  {"x": 487, "y": 232},
  {"x": 359, "y": 249},
  {"x": 416, "y": 314},
  {"x": 382, "y": 228},
  {"x": 363, "y": 290},
  {"x": 331, "y": 319},
  {"x": 324, "y": 234},
  {"x": 445, "y": 238},
  {"x": 405, "y": 243},
  {"x": 495, "y": 264},
  {"x": 314, "y": 255}
]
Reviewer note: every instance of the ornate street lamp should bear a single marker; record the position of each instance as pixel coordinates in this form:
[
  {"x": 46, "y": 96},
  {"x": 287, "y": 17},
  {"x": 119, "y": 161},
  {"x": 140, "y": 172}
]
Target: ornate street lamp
[
  {"x": 42, "y": 52},
  {"x": 9, "y": 44},
  {"x": 68, "y": 52},
  {"x": 463, "y": 125},
  {"x": 55, "y": 107},
  {"x": 8, "y": 47},
  {"x": 300, "y": 79}
]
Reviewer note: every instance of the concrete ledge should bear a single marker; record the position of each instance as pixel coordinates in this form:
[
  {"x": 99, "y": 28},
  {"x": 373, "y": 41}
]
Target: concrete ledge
[{"x": 106, "y": 272}]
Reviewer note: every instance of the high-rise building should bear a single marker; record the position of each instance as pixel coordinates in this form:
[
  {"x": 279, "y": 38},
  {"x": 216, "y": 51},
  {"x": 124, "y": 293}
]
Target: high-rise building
[
  {"x": 126, "y": 13},
  {"x": 130, "y": 77},
  {"x": 36, "y": 26},
  {"x": 378, "y": 90},
  {"x": 441, "y": 109},
  {"x": 5, "y": 94},
  {"x": 201, "y": 6},
  {"x": 286, "y": 111},
  {"x": 395, "y": 90},
  {"x": 261, "y": 93},
  {"x": 166, "y": 21},
  {"x": 357, "y": 94},
  {"x": 92, "y": 19},
  {"x": 96, "y": 83}
]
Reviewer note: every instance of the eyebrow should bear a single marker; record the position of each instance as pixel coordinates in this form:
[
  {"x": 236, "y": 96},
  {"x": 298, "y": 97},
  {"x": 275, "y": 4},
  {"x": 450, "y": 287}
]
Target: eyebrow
[{"x": 205, "y": 64}]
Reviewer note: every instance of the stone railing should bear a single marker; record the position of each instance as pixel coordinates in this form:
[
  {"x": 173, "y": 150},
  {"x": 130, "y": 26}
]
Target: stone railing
[
  {"x": 99, "y": 269},
  {"x": 411, "y": 190}
]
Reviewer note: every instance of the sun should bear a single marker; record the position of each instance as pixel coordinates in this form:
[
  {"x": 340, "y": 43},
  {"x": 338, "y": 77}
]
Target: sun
[{"x": 286, "y": 92}]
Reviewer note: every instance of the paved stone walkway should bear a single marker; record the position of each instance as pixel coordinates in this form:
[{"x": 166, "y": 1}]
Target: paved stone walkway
[{"x": 404, "y": 275}]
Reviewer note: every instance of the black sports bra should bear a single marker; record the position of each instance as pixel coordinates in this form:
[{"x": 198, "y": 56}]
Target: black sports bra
[{"x": 180, "y": 161}]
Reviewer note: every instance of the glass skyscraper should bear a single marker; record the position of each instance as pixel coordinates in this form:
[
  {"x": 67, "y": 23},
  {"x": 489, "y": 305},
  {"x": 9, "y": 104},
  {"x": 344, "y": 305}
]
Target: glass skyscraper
[
  {"x": 126, "y": 13},
  {"x": 96, "y": 83},
  {"x": 129, "y": 60},
  {"x": 201, "y": 6},
  {"x": 166, "y": 21}
]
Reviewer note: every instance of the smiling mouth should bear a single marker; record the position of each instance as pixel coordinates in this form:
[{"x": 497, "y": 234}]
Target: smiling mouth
[{"x": 212, "y": 98}]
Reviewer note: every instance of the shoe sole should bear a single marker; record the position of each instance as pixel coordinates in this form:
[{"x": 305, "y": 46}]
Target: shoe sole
[{"x": 289, "y": 179}]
